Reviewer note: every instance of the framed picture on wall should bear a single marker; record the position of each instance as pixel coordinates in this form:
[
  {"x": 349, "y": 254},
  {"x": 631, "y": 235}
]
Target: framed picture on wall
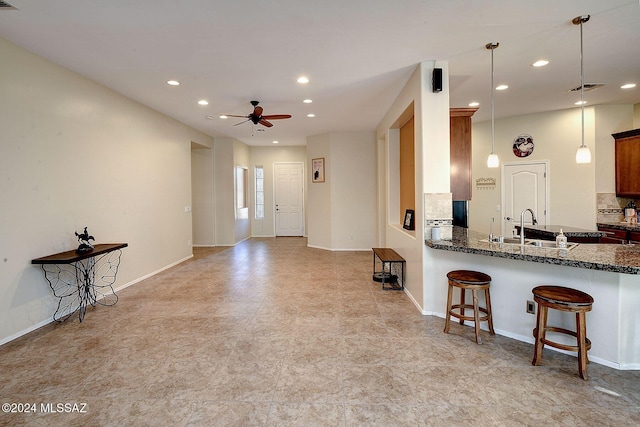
[
  {"x": 409, "y": 220},
  {"x": 317, "y": 170}
]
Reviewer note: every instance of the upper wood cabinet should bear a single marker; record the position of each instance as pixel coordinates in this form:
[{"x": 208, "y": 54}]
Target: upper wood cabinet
[
  {"x": 460, "y": 152},
  {"x": 628, "y": 163}
]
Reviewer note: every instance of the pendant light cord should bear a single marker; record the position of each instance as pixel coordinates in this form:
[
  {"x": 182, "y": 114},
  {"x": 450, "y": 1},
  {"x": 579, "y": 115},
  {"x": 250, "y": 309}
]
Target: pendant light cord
[
  {"x": 493, "y": 131},
  {"x": 581, "y": 82},
  {"x": 492, "y": 46}
]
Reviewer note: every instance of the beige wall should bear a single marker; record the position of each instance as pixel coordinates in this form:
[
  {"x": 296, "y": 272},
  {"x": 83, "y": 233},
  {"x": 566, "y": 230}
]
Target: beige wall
[
  {"x": 342, "y": 210},
  {"x": 202, "y": 197},
  {"x": 353, "y": 190},
  {"x": 557, "y": 136},
  {"x": 431, "y": 111},
  {"x": 319, "y": 194},
  {"x": 77, "y": 154}
]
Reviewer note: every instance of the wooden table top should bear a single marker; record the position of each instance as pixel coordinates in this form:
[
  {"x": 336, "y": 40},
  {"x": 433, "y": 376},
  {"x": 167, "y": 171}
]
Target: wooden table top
[
  {"x": 72, "y": 256},
  {"x": 388, "y": 255}
]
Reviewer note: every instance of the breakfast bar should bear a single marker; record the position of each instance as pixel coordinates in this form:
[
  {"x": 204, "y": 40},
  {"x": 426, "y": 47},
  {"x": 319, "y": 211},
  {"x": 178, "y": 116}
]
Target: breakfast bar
[{"x": 608, "y": 272}]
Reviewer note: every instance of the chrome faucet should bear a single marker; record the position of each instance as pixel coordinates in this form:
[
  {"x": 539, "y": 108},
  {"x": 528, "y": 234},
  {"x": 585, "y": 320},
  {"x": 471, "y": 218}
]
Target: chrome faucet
[
  {"x": 491, "y": 229},
  {"x": 534, "y": 221}
]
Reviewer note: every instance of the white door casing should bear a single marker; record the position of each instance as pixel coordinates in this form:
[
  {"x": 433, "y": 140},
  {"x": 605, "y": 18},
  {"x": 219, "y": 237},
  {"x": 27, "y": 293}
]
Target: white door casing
[
  {"x": 524, "y": 185},
  {"x": 289, "y": 200}
]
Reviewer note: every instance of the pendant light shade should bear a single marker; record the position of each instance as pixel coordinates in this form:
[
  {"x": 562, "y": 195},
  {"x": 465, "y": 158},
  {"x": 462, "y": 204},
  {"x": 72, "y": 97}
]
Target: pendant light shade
[
  {"x": 583, "y": 155},
  {"x": 492, "y": 161}
]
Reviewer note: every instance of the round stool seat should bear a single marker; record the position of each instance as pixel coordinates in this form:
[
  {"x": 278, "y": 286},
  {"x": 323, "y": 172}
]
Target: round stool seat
[
  {"x": 468, "y": 277},
  {"x": 562, "y": 299},
  {"x": 474, "y": 281},
  {"x": 562, "y": 295}
]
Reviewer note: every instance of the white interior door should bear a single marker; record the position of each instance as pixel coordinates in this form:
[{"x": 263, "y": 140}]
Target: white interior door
[
  {"x": 525, "y": 187},
  {"x": 289, "y": 199}
]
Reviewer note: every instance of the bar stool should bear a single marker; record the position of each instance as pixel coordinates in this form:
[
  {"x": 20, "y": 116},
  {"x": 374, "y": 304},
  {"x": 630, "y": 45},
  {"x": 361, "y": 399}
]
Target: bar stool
[
  {"x": 475, "y": 281},
  {"x": 562, "y": 299}
]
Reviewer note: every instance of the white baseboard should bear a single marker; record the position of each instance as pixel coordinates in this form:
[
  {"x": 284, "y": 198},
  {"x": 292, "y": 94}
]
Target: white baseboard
[
  {"x": 340, "y": 250},
  {"x": 530, "y": 340},
  {"x": 153, "y": 273},
  {"x": 119, "y": 288}
]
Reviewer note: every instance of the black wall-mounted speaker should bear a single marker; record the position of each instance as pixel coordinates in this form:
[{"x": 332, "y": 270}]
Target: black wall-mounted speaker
[{"x": 437, "y": 80}]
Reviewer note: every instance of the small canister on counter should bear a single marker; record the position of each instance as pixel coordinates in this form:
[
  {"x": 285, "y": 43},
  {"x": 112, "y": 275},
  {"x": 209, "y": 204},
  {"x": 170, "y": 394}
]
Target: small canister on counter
[{"x": 435, "y": 233}]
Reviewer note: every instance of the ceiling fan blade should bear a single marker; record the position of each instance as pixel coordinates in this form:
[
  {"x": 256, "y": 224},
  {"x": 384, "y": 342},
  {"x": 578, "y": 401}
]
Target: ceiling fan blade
[
  {"x": 257, "y": 111},
  {"x": 233, "y": 115},
  {"x": 277, "y": 116},
  {"x": 245, "y": 121},
  {"x": 263, "y": 122}
]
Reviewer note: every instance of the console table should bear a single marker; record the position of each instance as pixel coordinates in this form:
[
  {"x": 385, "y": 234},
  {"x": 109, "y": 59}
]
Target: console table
[
  {"x": 388, "y": 259},
  {"x": 79, "y": 279}
]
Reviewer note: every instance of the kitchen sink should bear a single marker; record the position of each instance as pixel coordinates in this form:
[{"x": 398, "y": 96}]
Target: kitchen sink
[{"x": 547, "y": 244}]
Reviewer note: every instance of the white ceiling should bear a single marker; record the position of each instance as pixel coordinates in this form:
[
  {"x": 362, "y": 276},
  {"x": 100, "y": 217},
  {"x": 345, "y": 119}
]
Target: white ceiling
[{"x": 358, "y": 54}]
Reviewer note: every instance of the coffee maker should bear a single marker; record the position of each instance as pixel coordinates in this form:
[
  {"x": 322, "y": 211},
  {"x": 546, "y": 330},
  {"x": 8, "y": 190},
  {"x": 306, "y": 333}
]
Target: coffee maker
[{"x": 630, "y": 213}]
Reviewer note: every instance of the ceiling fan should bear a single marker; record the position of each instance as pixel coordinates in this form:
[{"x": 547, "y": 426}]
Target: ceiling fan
[{"x": 257, "y": 118}]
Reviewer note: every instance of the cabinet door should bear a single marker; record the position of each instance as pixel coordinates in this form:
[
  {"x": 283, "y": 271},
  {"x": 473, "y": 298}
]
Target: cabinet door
[
  {"x": 628, "y": 163},
  {"x": 460, "y": 152},
  {"x": 634, "y": 237},
  {"x": 613, "y": 235}
]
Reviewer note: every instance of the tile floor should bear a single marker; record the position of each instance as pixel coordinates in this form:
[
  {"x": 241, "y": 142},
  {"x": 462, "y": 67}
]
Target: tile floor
[{"x": 272, "y": 333}]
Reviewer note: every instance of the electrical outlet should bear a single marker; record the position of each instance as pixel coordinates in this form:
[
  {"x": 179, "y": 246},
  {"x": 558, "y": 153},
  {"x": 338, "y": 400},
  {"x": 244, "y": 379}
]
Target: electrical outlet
[{"x": 531, "y": 307}]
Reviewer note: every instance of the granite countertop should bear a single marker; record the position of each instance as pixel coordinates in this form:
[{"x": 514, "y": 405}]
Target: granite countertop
[
  {"x": 620, "y": 226},
  {"x": 615, "y": 258},
  {"x": 553, "y": 230}
]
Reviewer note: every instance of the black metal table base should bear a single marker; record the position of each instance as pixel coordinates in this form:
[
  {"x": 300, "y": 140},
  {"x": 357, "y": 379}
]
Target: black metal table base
[
  {"x": 389, "y": 273},
  {"x": 82, "y": 283}
]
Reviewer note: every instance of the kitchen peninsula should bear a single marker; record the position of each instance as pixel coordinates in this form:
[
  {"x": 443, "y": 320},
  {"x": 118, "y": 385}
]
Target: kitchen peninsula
[{"x": 608, "y": 272}]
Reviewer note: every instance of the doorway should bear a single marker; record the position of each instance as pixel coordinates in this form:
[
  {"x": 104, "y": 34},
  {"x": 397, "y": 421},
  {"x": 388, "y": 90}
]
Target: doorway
[
  {"x": 289, "y": 199},
  {"x": 525, "y": 186}
]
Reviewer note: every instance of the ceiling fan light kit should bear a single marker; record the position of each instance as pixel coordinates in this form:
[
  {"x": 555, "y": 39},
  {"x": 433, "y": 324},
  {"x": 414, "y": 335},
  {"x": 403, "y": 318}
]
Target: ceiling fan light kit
[{"x": 257, "y": 118}]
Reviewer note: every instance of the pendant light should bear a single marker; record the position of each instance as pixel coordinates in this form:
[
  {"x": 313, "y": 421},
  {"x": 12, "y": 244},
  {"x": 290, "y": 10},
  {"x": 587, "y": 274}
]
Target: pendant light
[
  {"x": 583, "y": 155},
  {"x": 492, "y": 161}
]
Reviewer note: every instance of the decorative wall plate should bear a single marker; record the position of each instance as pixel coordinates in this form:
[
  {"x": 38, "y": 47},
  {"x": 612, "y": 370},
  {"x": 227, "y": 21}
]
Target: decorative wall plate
[{"x": 523, "y": 145}]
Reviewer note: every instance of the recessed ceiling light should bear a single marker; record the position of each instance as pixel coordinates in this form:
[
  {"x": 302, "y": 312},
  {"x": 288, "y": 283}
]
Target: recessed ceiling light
[
  {"x": 203, "y": 102},
  {"x": 580, "y": 102},
  {"x": 474, "y": 104},
  {"x": 628, "y": 86},
  {"x": 222, "y": 116},
  {"x": 540, "y": 63},
  {"x": 276, "y": 142},
  {"x": 307, "y": 101},
  {"x": 208, "y": 117},
  {"x": 173, "y": 82},
  {"x": 303, "y": 80},
  {"x": 311, "y": 115},
  {"x": 502, "y": 87}
]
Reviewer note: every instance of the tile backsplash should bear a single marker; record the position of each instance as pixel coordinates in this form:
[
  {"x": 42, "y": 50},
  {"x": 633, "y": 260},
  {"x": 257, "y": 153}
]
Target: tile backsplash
[
  {"x": 438, "y": 212},
  {"x": 611, "y": 208}
]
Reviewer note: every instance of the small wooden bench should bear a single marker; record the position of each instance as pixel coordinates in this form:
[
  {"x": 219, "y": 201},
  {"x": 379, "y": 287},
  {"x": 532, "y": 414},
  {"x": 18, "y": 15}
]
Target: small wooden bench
[{"x": 388, "y": 258}]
